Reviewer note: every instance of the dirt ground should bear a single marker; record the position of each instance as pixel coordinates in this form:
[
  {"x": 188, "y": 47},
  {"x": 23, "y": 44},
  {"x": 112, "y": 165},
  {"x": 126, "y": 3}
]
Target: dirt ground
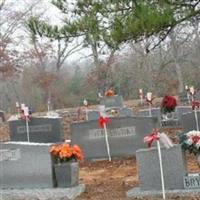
[{"x": 106, "y": 180}]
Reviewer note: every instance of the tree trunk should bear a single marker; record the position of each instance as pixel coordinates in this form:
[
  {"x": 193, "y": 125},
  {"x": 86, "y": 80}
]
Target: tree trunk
[{"x": 175, "y": 57}]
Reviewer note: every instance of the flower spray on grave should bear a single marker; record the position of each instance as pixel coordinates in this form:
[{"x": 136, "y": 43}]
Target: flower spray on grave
[
  {"x": 109, "y": 93},
  {"x": 65, "y": 165},
  {"x": 102, "y": 121},
  {"x": 188, "y": 93},
  {"x": 157, "y": 137},
  {"x": 63, "y": 153},
  {"x": 149, "y": 100},
  {"x": 141, "y": 95},
  {"x": 168, "y": 105},
  {"x": 24, "y": 114},
  {"x": 85, "y": 103},
  {"x": 190, "y": 142}
]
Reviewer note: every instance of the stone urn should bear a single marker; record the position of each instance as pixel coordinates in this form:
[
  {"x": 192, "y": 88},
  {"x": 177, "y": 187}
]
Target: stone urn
[{"x": 66, "y": 174}]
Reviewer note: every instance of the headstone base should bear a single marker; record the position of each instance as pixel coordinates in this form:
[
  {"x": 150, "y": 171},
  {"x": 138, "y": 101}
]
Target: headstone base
[
  {"x": 45, "y": 194},
  {"x": 137, "y": 192}
]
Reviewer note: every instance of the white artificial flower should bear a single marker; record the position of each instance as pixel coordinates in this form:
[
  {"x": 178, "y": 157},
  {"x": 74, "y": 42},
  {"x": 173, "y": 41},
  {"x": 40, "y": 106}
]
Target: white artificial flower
[
  {"x": 193, "y": 133},
  {"x": 198, "y": 144},
  {"x": 149, "y": 96},
  {"x": 189, "y": 141}
]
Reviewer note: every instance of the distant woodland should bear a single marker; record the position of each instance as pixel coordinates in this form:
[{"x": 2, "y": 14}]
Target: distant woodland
[{"x": 125, "y": 45}]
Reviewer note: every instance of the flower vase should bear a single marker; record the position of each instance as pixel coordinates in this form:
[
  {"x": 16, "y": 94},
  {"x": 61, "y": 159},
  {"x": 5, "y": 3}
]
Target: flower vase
[
  {"x": 168, "y": 116},
  {"x": 66, "y": 174},
  {"x": 198, "y": 159}
]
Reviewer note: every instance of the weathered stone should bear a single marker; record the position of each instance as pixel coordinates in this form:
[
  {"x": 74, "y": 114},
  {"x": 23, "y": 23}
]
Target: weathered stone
[
  {"x": 25, "y": 165},
  {"x": 114, "y": 101},
  {"x": 125, "y": 136},
  {"x": 188, "y": 122},
  {"x": 174, "y": 168},
  {"x": 41, "y": 130}
]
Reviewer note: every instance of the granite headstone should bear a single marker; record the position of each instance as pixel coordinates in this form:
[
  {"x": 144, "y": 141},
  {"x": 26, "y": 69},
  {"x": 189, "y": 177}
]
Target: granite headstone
[
  {"x": 180, "y": 110},
  {"x": 113, "y": 101},
  {"x": 183, "y": 97},
  {"x": 25, "y": 165},
  {"x": 188, "y": 122},
  {"x": 125, "y": 136},
  {"x": 155, "y": 112},
  {"x": 125, "y": 112},
  {"x": 197, "y": 96},
  {"x": 174, "y": 168},
  {"x": 41, "y": 130},
  {"x": 93, "y": 114}
]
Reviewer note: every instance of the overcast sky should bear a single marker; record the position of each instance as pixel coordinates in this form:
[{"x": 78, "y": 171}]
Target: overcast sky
[{"x": 50, "y": 13}]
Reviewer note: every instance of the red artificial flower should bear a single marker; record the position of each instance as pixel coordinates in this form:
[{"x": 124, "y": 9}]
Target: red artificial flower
[
  {"x": 168, "y": 104},
  {"x": 102, "y": 121},
  {"x": 195, "y": 139},
  {"x": 151, "y": 138},
  {"x": 195, "y": 104}
]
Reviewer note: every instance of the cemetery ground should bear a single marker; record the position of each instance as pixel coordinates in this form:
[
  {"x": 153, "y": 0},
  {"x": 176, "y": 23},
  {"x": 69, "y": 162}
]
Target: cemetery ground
[{"x": 106, "y": 180}]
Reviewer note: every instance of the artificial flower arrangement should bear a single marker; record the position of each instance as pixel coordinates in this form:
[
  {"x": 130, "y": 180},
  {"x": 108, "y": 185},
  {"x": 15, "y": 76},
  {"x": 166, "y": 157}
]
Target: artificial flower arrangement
[
  {"x": 168, "y": 104},
  {"x": 62, "y": 153},
  {"x": 109, "y": 93},
  {"x": 150, "y": 98},
  {"x": 112, "y": 112},
  {"x": 190, "y": 141}
]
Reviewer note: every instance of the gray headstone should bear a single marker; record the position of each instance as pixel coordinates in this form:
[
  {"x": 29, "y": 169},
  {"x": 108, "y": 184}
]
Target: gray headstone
[
  {"x": 125, "y": 136},
  {"x": 197, "y": 96},
  {"x": 114, "y": 101},
  {"x": 41, "y": 130},
  {"x": 155, "y": 112},
  {"x": 188, "y": 122},
  {"x": 183, "y": 97},
  {"x": 175, "y": 121},
  {"x": 180, "y": 110},
  {"x": 174, "y": 168},
  {"x": 191, "y": 181},
  {"x": 125, "y": 112},
  {"x": 93, "y": 115},
  {"x": 25, "y": 166}
]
